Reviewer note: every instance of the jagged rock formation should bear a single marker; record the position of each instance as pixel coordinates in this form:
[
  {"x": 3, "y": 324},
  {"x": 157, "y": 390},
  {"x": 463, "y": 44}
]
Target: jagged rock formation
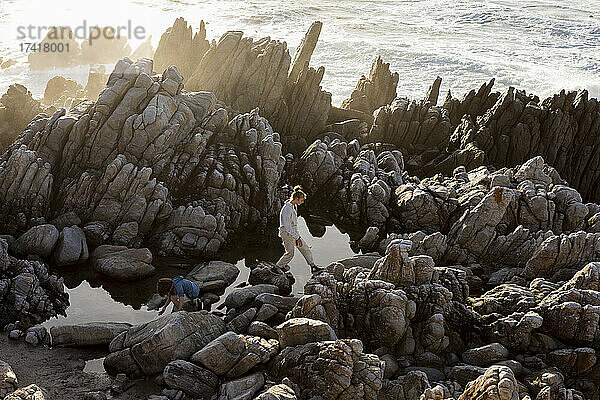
[
  {"x": 246, "y": 74},
  {"x": 415, "y": 128},
  {"x": 182, "y": 48},
  {"x": 355, "y": 185},
  {"x": 493, "y": 129},
  {"x": 104, "y": 45},
  {"x": 487, "y": 286},
  {"x": 28, "y": 293},
  {"x": 17, "y": 109},
  {"x": 373, "y": 92},
  {"x": 473, "y": 104},
  {"x": 242, "y": 73},
  {"x": 62, "y": 92},
  {"x": 332, "y": 370},
  {"x": 305, "y": 50},
  {"x": 144, "y": 50},
  {"x": 146, "y": 162},
  {"x": 519, "y": 127},
  {"x": 510, "y": 219},
  {"x": 433, "y": 92},
  {"x": 97, "y": 78}
]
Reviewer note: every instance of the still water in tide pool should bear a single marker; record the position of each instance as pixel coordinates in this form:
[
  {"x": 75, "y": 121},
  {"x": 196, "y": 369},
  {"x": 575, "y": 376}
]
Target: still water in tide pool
[{"x": 94, "y": 299}]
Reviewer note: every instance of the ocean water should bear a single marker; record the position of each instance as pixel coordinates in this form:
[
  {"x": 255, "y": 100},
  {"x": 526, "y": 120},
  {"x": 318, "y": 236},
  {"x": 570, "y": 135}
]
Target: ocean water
[{"x": 540, "y": 46}]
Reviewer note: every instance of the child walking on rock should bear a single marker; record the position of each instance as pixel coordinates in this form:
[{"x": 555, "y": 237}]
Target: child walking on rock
[{"x": 288, "y": 231}]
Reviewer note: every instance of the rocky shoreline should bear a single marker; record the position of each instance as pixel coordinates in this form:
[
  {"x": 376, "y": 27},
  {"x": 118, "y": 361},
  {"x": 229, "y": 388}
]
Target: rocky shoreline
[{"x": 477, "y": 220}]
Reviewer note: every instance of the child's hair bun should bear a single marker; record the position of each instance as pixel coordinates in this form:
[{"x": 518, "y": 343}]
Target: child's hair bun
[{"x": 298, "y": 192}]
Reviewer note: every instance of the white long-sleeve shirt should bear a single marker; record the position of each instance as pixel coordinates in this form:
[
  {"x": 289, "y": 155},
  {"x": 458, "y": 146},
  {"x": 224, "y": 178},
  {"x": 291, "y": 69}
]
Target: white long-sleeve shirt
[{"x": 288, "y": 220}]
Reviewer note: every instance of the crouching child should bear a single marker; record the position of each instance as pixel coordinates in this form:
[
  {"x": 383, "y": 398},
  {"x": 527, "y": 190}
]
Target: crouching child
[{"x": 175, "y": 289}]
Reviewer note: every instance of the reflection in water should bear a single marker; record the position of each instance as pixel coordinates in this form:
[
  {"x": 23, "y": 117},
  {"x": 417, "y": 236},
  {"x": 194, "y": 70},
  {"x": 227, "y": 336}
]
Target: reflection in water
[
  {"x": 94, "y": 298},
  {"x": 94, "y": 366},
  {"x": 90, "y": 304},
  {"x": 331, "y": 246}
]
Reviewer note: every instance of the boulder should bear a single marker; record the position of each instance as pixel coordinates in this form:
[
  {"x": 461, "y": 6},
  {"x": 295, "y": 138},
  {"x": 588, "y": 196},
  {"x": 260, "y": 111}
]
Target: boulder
[
  {"x": 485, "y": 355},
  {"x": 283, "y": 303},
  {"x": 265, "y": 312},
  {"x": 37, "y": 335},
  {"x": 261, "y": 329},
  {"x": 148, "y": 348},
  {"x": 264, "y": 272},
  {"x": 195, "y": 381},
  {"x": 71, "y": 247},
  {"x": 87, "y": 334},
  {"x": 304, "y": 330},
  {"x": 243, "y": 388},
  {"x": 241, "y": 322},
  {"x": 121, "y": 263},
  {"x": 391, "y": 365},
  {"x": 233, "y": 355},
  {"x": 497, "y": 383},
  {"x": 67, "y": 219},
  {"x": 408, "y": 387},
  {"x": 214, "y": 276},
  {"x": 240, "y": 297},
  {"x": 39, "y": 240},
  {"x": 221, "y": 354}
]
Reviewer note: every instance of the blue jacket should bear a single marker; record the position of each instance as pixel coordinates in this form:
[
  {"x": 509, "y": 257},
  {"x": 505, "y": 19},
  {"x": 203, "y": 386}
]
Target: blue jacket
[{"x": 183, "y": 286}]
